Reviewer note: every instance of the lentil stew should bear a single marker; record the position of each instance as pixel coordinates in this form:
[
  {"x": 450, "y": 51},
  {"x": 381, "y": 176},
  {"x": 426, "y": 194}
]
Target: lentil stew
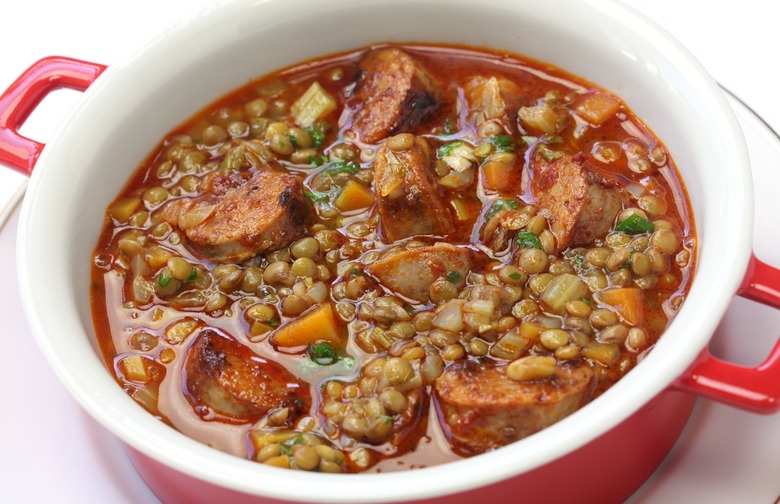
[{"x": 391, "y": 258}]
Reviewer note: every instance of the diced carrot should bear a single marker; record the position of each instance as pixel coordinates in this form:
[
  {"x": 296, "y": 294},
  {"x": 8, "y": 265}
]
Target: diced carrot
[
  {"x": 497, "y": 175},
  {"x": 598, "y": 107},
  {"x": 316, "y": 325},
  {"x": 354, "y": 196},
  {"x": 628, "y": 302}
]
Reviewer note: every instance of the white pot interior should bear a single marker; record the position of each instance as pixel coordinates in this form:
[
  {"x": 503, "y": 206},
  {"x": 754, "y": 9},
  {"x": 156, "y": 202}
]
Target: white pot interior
[{"x": 131, "y": 107}]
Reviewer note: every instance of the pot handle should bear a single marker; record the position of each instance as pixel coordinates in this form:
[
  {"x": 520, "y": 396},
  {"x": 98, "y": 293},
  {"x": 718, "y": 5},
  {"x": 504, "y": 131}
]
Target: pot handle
[
  {"x": 751, "y": 388},
  {"x": 21, "y": 98}
]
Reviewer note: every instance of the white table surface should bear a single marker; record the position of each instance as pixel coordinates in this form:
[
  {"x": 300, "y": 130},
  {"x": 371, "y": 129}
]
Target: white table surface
[{"x": 51, "y": 451}]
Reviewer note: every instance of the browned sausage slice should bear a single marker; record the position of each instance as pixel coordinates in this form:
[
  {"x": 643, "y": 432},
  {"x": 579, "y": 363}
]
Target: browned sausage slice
[
  {"x": 408, "y": 199},
  {"x": 396, "y": 93},
  {"x": 410, "y": 273},
  {"x": 481, "y": 408},
  {"x": 582, "y": 204},
  {"x": 230, "y": 225},
  {"x": 223, "y": 376}
]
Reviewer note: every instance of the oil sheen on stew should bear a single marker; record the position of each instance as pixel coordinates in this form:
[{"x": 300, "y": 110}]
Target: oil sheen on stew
[{"x": 391, "y": 258}]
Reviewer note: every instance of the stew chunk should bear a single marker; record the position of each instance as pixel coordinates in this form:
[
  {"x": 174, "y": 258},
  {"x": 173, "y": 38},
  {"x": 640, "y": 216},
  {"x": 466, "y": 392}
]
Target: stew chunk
[
  {"x": 482, "y": 408},
  {"x": 240, "y": 218},
  {"x": 493, "y": 99},
  {"x": 411, "y": 272},
  {"x": 227, "y": 377},
  {"x": 394, "y": 93},
  {"x": 408, "y": 199},
  {"x": 582, "y": 204}
]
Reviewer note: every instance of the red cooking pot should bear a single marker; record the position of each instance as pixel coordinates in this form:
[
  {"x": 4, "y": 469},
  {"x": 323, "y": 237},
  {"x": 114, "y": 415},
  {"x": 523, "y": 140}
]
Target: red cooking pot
[{"x": 603, "y": 452}]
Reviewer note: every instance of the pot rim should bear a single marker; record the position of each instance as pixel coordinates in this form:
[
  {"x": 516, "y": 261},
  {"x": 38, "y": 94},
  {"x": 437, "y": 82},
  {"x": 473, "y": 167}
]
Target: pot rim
[{"x": 99, "y": 394}]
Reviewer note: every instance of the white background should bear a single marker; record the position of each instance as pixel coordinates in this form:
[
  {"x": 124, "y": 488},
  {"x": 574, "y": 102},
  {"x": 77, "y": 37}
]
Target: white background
[{"x": 51, "y": 451}]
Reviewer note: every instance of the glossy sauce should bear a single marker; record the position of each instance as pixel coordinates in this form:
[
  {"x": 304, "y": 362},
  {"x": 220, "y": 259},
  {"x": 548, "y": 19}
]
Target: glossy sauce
[{"x": 127, "y": 328}]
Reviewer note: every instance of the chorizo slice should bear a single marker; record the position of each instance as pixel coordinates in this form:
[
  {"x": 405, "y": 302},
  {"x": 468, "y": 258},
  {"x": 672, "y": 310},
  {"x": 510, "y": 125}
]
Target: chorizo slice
[
  {"x": 481, "y": 408},
  {"x": 223, "y": 376},
  {"x": 240, "y": 218},
  {"x": 395, "y": 91},
  {"x": 582, "y": 204},
  {"x": 411, "y": 272},
  {"x": 408, "y": 198}
]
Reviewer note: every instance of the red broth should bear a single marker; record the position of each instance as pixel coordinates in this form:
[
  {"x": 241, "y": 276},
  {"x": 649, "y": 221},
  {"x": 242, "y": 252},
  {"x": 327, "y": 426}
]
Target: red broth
[{"x": 391, "y": 258}]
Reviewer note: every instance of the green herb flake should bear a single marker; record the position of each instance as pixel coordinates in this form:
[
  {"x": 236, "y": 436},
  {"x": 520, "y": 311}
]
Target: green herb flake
[
  {"x": 527, "y": 239},
  {"x": 453, "y": 276},
  {"x": 503, "y": 143},
  {"x": 322, "y": 353},
  {"x": 287, "y": 445},
  {"x": 272, "y": 323},
  {"x": 336, "y": 167},
  {"x": 515, "y": 275},
  {"x": 317, "y": 136},
  {"x": 634, "y": 224},
  {"x": 585, "y": 300},
  {"x": 293, "y": 140},
  {"x": 446, "y": 149},
  {"x": 500, "y": 205},
  {"x": 579, "y": 263},
  {"x": 319, "y": 160},
  {"x": 165, "y": 278},
  {"x": 315, "y": 196},
  {"x": 355, "y": 272},
  {"x": 193, "y": 275},
  {"x": 388, "y": 420}
]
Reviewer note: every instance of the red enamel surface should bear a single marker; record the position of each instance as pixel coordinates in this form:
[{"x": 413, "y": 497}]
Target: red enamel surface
[
  {"x": 21, "y": 98},
  {"x": 608, "y": 469},
  {"x": 752, "y": 388}
]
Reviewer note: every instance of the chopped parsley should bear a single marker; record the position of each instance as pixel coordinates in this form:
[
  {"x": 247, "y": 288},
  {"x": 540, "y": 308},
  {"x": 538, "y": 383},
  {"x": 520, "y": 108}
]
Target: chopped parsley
[
  {"x": 634, "y": 224},
  {"x": 193, "y": 275},
  {"x": 272, "y": 323},
  {"x": 515, "y": 275},
  {"x": 165, "y": 278},
  {"x": 502, "y": 143},
  {"x": 502, "y": 204},
  {"x": 336, "y": 167},
  {"x": 579, "y": 263},
  {"x": 319, "y": 159},
  {"x": 527, "y": 239},
  {"x": 293, "y": 140},
  {"x": 317, "y": 134},
  {"x": 287, "y": 445},
  {"x": 585, "y": 300},
  {"x": 446, "y": 149},
  {"x": 453, "y": 276},
  {"x": 315, "y": 196},
  {"x": 322, "y": 353}
]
